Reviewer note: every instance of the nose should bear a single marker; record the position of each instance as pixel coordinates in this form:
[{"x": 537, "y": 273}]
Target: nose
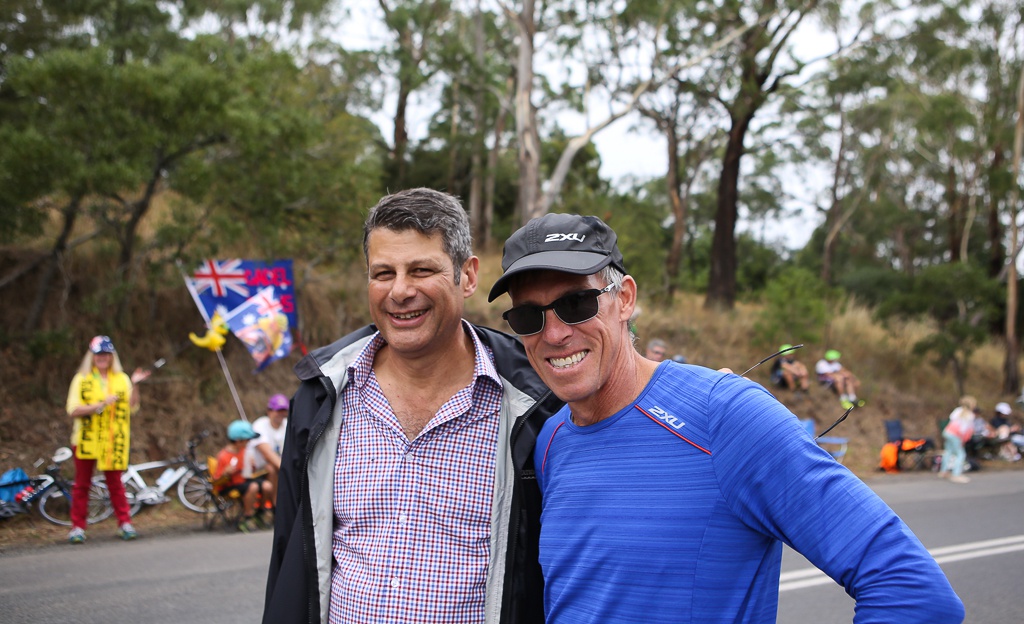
[
  {"x": 402, "y": 288},
  {"x": 555, "y": 331}
]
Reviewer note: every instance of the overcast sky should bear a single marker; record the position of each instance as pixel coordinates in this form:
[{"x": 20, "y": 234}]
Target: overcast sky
[{"x": 624, "y": 154}]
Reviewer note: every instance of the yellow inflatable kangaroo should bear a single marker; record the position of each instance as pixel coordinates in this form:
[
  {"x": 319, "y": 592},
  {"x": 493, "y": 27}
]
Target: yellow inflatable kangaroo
[{"x": 214, "y": 337}]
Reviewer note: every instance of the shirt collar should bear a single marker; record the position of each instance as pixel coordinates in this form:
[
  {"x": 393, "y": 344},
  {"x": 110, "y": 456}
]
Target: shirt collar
[{"x": 360, "y": 369}]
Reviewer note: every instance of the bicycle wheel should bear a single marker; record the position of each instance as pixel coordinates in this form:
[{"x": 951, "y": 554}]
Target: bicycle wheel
[
  {"x": 131, "y": 491},
  {"x": 196, "y": 493},
  {"x": 55, "y": 505},
  {"x": 99, "y": 503}
]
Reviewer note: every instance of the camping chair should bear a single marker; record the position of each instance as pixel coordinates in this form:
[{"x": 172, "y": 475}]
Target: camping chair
[
  {"x": 912, "y": 454},
  {"x": 227, "y": 507},
  {"x": 836, "y": 447}
]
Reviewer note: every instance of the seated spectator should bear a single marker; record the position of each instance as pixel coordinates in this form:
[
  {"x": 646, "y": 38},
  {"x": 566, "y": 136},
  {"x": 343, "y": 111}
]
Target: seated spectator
[
  {"x": 984, "y": 442},
  {"x": 656, "y": 350},
  {"x": 788, "y": 372},
  {"x": 842, "y": 381},
  {"x": 264, "y": 451},
  {"x": 228, "y": 474},
  {"x": 1009, "y": 431}
]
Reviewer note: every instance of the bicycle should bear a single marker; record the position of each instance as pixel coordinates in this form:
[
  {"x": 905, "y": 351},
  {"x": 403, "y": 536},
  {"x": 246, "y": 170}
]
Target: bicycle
[
  {"x": 185, "y": 471},
  {"x": 50, "y": 492}
]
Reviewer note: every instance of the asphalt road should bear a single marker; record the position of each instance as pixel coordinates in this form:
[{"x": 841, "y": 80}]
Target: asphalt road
[
  {"x": 973, "y": 530},
  {"x": 196, "y": 578}
]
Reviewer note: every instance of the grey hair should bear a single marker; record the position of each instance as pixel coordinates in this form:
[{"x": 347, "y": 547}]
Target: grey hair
[
  {"x": 428, "y": 212},
  {"x": 613, "y": 276}
]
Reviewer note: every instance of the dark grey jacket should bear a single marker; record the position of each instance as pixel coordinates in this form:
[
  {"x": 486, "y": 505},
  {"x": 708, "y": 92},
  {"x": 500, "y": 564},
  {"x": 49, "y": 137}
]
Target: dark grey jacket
[{"x": 299, "y": 583}]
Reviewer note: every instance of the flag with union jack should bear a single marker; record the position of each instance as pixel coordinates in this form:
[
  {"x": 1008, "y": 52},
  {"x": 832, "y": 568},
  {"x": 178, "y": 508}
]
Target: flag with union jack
[
  {"x": 229, "y": 286},
  {"x": 261, "y": 324}
]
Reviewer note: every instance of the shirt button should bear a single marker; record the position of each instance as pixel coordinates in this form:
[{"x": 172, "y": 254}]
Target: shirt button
[
  {"x": 394, "y": 582},
  {"x": 403, "y": 519}
]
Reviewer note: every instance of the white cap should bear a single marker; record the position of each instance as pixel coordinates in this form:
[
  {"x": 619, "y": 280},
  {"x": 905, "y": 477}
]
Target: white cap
[{"x": 1004, "y": 408}]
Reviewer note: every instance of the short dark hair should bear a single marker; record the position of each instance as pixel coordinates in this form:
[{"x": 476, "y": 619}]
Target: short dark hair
[{"x": 428, "y": 212}]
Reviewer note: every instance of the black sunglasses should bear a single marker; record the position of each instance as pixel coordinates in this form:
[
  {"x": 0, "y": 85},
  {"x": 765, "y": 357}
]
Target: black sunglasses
[{"x": 571, "y": 309}]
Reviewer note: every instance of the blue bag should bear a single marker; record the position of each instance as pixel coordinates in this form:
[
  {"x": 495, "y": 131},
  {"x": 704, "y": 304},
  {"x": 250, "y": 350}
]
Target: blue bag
[{"x": 12, "y": 482}]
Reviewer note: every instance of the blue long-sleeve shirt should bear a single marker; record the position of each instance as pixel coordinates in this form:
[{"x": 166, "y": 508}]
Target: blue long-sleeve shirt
[{"x": 675, "y": 510}]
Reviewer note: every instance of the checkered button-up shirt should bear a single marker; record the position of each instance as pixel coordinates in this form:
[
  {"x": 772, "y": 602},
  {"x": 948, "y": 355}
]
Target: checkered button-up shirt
[{"x": 412, "y": 518}]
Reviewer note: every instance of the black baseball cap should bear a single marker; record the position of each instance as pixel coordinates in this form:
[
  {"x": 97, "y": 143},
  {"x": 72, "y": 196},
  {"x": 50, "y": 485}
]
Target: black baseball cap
[{"x": 570, "y": 243}]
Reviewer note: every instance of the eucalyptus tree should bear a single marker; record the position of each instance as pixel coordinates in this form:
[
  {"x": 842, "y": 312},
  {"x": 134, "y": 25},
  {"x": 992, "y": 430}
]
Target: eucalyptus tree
[
  {"x": 753, "y": 70},
  {"x": 476, "y": 82},
  {"x": 418, "y": 30},
  {"x": 585, "y": 54},
  {"x": 692, "y": 140},
  {"x": 1011, "y": 368},
  {"x": 684, "y": 115}
]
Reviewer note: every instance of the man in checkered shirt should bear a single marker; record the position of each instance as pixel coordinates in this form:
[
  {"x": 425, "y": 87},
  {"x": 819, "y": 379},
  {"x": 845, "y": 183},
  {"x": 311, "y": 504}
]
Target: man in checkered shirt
[{"x": 407, "y": 489}]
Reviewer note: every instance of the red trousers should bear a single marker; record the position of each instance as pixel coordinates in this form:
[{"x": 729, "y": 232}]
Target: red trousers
[{"x": 80, "y": 493}]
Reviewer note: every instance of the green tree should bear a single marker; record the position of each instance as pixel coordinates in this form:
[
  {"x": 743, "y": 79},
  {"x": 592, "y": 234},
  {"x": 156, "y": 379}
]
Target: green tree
[
  {"x": 962, "y": 302},
  {"x": 796, "y": 305}
]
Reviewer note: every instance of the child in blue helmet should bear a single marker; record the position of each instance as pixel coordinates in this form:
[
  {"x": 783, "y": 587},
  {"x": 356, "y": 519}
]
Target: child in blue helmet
[{"x": 228, "y": 477}]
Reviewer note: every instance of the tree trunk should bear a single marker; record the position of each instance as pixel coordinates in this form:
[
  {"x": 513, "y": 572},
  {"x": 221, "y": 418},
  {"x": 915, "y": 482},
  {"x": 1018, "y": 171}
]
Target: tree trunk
[
  {"x": 997, "y": 251},
  {"x": 35, "y": 311},
  {"x": 401, "y": 136},
  {"x": 672, "y": 184},
  {"x": 492, "y": 164},
  {"x": 1011, "y": 368},
  {"x": 526, "y": 117},
  {"x": 722, "y": 280},
  {"x": 953, "y": 221},
  {"x": 476, "y": 161},
  {"x": 453, "y": 135},
  {"x": 958, "y": 375},
  {"x": 833, "y": 222}
]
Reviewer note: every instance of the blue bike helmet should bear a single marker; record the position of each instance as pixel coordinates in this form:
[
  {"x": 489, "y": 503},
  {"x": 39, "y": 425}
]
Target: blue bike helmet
[{"x": 240, "y": 430}]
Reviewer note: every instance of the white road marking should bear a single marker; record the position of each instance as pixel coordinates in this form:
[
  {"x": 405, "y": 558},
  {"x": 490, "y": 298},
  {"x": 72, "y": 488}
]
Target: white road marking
[{"x": 811, "y": 577}]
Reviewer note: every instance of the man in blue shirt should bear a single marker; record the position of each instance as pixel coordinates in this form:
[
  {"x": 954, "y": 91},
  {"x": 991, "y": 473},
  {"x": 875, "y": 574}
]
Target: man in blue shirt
[{"x": 669, "y": 489}]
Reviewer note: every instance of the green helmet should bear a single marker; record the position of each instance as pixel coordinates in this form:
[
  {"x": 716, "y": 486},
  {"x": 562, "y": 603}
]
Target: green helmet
[
  {"x": 832, "y": 355},
  {"x": 785, "y": 347}
]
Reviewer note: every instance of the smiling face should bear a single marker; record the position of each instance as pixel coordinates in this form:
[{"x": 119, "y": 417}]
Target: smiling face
[
  {"x": 413, "y": 297},
  {"x": 590, "y": 365},
  {"x": 102, "y": 361}
]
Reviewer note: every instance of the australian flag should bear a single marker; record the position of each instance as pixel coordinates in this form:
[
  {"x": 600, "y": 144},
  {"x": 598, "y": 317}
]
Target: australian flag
[
  {"x": 237, "y": 288},
  {"x": 261, "y": 324}
]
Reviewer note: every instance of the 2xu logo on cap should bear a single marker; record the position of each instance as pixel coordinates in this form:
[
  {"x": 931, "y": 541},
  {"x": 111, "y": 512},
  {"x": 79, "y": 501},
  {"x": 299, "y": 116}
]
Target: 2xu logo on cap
[{"x": 557, "y": 238}]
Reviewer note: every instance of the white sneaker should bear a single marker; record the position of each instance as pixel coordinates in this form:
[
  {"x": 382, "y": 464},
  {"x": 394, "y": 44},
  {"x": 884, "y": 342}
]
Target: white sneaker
[
  {"x": 77, "y": 535},
  {"x": 960, "y": 479},
  {"x": 127, "y": 532}
]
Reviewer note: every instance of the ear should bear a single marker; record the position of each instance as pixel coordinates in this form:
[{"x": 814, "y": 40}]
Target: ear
[
  {"x": 470, "y": 276},
  {"x": 627, "y": 298}
]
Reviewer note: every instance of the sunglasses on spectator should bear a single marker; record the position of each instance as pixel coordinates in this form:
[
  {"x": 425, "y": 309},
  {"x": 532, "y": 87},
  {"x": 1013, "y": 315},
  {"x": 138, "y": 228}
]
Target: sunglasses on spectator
[{"x": 572, "y": 309}]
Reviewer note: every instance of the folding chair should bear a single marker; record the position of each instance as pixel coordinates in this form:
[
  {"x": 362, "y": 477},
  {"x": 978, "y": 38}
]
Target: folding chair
[
  {"x": 836, "y": 447},
  {"x": 912, "y": 454}
]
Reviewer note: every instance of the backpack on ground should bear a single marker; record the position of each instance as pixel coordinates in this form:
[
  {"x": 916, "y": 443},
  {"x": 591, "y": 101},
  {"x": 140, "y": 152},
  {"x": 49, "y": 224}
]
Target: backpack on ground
[
  {"x": 889, "y": 459},
  {"x": 12, "y": 482}
]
